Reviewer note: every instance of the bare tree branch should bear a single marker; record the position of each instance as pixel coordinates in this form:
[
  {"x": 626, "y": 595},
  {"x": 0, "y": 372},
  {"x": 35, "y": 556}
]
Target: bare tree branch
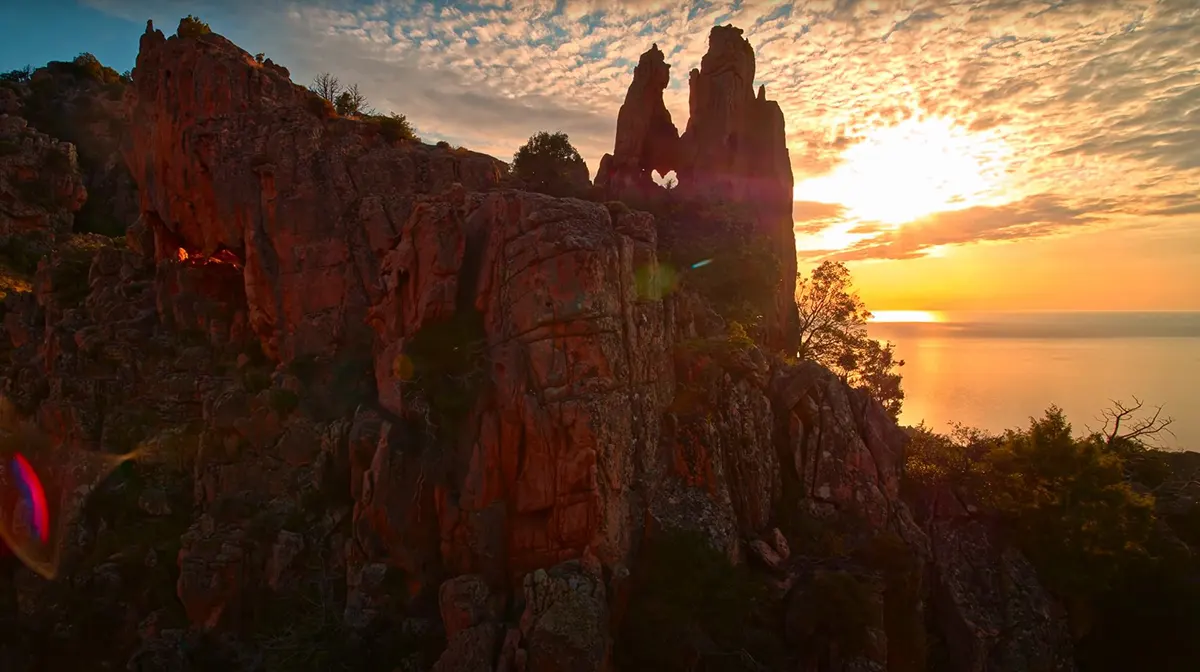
[
  {"x": 326, "y": 86},
  {"x": 1127, "y": 427}
]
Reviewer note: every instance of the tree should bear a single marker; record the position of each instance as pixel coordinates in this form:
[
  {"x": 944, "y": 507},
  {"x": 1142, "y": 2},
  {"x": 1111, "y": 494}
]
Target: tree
[
  {"x": 20, "y": 75},
  {"x": 549, "y": 164},
  {"x": 395, "y": 127},
  {"x": 1068, "y": 506},
  {"x": 833, "y": 332},
  {"x": 192, "y": 26},
  {"x": 351, "y": 102},
  {"x": 326, "y": 86}
]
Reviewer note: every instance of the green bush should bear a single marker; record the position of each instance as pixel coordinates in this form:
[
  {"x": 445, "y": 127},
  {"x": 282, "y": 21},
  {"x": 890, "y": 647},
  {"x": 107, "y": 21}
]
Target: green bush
[
  {"x": 322, "y": 108},
  {"x": 395, "y": 128},
  {"x": 192, "y": 26},
  {"x": 446, "y": 361},
  {"x": 835, "y": 610},
  {"x": 1067, "y": 504},
  {"x": 283, "y": 401},
  {"x": 690, "y": 608},
  {"x": 19, "y": 76},
  {"x": 20, "y": 254},
  {"x": 87, "y": 66},
  {"x": 710, "y": 249}
]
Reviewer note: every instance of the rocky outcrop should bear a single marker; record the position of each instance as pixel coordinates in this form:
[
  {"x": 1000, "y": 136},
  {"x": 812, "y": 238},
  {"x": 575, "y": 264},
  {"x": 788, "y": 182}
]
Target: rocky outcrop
[
  {"x": 307, "y": 203},
  {"x": 567, "y": 380},
  {"x": 40, "y": 184},
  {"x": 733, "y": 152},
  {"x": 647, "y": 140},
  {"x": 80, "y": 102},
  {"x": 989, "y": 605}
]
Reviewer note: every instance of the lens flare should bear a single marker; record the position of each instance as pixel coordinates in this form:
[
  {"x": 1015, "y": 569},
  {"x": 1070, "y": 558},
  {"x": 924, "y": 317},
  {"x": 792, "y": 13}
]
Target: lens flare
[
  {"x": 43, "y": 488},
  {"x": 33, "y": 496},
  {"x": 654, "y": 281}
]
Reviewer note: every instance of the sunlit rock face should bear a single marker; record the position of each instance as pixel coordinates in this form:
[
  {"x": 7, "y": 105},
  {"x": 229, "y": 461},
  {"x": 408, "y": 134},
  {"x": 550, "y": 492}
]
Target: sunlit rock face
[
  {"x": 230, "y": 154},
  {"x": 733, "y": 152}
]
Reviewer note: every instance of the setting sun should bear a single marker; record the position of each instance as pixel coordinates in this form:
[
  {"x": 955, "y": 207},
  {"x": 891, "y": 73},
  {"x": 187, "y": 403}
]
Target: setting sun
[{"x": 916, "y": 168}]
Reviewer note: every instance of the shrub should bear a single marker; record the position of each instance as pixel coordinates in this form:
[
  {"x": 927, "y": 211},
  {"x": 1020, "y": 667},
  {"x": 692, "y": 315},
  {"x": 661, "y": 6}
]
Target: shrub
[
  {"x": 282, "y": 401},
  {"x": 447, "y": 368},
  {"x": 192, "y": 26},
  {"x": 547, "y": 162},
  {"x": 87, "y": 66},
  {"x": 442, "y": 144},
  {"x": 689, "y": 603},
  {"x": 21, "y": 254},
  {"x": 322, "y": 108},
  {"x": 19, "y": 76},
  {"x": 396, "y": 128},
  {"x": 836, "y": 610}
]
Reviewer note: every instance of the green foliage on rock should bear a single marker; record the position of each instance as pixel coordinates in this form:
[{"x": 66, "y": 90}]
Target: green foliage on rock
[
  {"x": 691, "y": 608},
  {"x": 546, "y": 164},
  {"x": 18, "y": 76},
  {"x": 835, "y": 610},
  {"x": 192, "y": 26},
  {"x": 443, "y": 370},
  {"x": 1119, "y": 553},
  {"x": 283, "y": 401},
  {"x": 396, "y": 128}
]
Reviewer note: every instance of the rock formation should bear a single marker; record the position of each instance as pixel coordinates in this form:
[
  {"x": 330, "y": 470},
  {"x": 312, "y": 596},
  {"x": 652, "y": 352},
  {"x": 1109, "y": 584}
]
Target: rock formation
[
  {"x": 647, "y": 140},
  {"x": 733, "y": 152},
  {"x": 80, "y": 102},
  {"x": 401, "y": 418},
  {"x": 306, "y": 203},
  {"x": 40, "y": 184}
]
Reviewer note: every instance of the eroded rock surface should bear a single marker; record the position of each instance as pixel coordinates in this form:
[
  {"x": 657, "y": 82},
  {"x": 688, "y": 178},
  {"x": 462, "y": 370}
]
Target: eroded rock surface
[
  {"x": 229, "y": 154},
  {"x": 40, "y": 184}
]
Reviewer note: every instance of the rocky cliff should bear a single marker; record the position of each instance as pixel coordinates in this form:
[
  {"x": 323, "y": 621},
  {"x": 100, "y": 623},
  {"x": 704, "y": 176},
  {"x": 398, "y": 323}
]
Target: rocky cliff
[{"x": 397, "y": 417}]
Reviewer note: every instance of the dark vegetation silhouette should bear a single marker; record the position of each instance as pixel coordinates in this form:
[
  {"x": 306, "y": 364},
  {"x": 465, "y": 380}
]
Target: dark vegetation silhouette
[
  {"x": 833, "y": 333},
  {"x": 546, "y": 164},
  {"x": 350, "y": 101},
  {"x": 1110, "y": 523}
]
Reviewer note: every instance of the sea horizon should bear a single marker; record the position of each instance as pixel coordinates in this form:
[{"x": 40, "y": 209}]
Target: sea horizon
[{"x": 995, "y": 369}]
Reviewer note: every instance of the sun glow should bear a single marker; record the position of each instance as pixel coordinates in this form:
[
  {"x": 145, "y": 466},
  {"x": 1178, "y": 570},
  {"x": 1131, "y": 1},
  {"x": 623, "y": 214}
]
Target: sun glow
[
  {"x": 906, "y": 316},
  {"x": 914, "y": 169}
]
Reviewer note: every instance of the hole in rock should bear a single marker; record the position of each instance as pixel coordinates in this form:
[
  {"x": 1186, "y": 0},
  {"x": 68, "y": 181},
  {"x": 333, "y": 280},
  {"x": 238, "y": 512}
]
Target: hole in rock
[{"x": 668, "y": 181}]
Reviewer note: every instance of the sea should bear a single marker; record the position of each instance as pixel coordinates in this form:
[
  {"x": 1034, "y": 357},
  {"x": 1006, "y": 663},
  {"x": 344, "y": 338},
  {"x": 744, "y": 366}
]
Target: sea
[{"x": 995, "y": 370}]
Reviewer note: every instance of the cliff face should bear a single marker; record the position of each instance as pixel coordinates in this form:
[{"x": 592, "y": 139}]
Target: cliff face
[
  {"x": 80, "y": 102},
  {"x": 394, "y": 408},
  {"x": 231, "y": 155}
]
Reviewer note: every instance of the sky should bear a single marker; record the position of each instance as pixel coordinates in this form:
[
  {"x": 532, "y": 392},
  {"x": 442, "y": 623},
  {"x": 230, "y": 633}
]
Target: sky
[{"x": 956, "y": 154}]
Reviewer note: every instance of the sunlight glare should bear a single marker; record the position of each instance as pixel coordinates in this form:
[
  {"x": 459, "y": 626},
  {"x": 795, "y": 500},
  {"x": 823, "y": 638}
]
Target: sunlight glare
[
  {"x": 892, "y": 316},
  {"x": 914, "y": 169}
]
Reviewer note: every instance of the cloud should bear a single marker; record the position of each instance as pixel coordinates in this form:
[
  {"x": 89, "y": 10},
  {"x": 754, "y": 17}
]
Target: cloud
[
  {"x": 1099, "y": 98},
  {"x": 1028, "y": 218}
]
